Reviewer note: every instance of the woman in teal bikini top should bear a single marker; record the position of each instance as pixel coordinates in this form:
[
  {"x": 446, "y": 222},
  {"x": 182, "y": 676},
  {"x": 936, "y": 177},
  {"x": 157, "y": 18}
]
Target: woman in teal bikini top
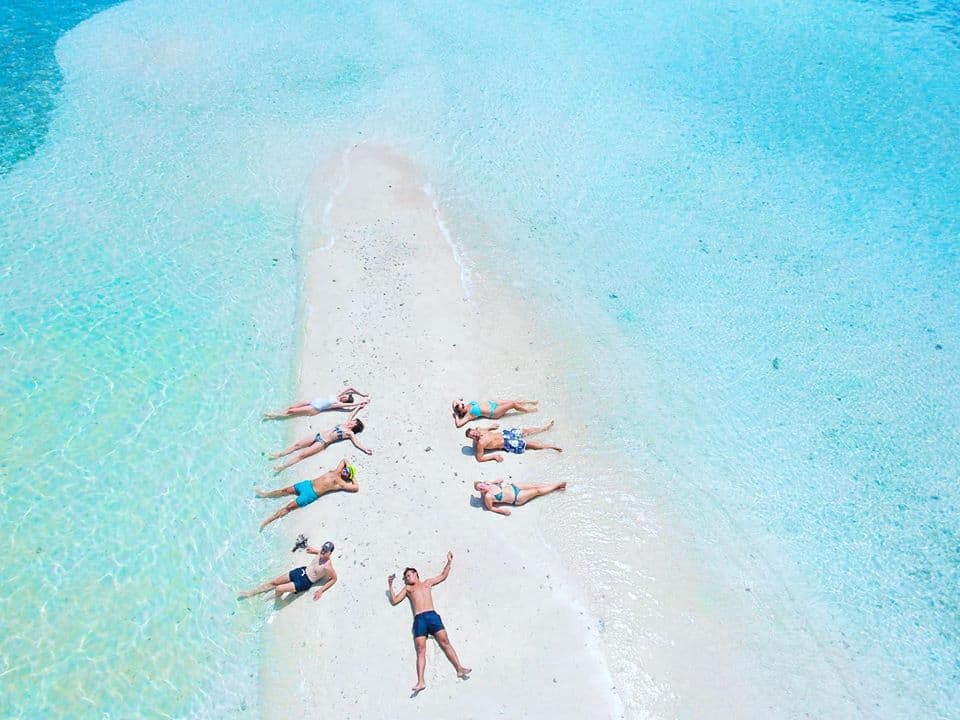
[
  {"x": 464, "y": 412},
  {"x": 494, "y": 494}
]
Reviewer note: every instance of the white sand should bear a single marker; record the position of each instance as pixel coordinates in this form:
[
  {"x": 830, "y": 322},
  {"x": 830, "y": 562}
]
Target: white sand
[{"x": 386, "y": 311}]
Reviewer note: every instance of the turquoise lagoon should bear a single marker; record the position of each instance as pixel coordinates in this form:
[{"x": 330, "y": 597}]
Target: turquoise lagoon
[{"x": 761, "y": 197}]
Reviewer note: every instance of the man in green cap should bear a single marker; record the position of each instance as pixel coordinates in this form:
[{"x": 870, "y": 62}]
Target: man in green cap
[{"x": 343, "y": 477}]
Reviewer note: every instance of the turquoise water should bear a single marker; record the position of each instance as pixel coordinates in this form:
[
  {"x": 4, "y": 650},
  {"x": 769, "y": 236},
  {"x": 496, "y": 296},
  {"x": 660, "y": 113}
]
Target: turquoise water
[{"x": 762, "y": 197}]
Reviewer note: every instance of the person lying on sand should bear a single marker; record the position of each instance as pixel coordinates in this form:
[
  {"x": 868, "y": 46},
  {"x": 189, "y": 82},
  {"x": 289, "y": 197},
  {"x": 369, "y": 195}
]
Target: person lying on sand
[
  {"x": 343, "y": 477},
  {"x": 465, "y": 412},
  {"x": 426, "y": 621},
  {"x": 315, "y": 443},
  {"x": 344, "y": 401},
  {"x": 511, "y": 440},
  {"x": 495, "y": 493},
  {"x": 301, "y": 578}
]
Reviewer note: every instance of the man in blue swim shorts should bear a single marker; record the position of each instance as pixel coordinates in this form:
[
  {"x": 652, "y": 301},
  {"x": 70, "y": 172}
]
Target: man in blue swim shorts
[
  {"x": 426, "y": 621},
  {"x": 302, "y": 578},
  {"x": 343, "y": 477},
  {"x": 511, "y": 440}
]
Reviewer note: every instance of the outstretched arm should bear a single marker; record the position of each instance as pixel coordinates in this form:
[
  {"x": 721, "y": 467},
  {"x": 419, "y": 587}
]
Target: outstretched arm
[
  {"x": 479, "y": 452},
  {"x": 395, "y": 598},
  {"x": 356, "y": 411},
  {"x": 326, "y": 586},
  {"x": 358, "y": 446},
  {"x": 354, "y": 391},
  {"x": 443, "y": 573}
]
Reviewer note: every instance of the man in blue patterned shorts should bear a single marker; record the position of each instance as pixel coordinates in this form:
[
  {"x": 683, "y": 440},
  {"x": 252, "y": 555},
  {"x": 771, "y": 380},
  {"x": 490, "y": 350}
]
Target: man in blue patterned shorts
[{"x": 512, "y": 440}]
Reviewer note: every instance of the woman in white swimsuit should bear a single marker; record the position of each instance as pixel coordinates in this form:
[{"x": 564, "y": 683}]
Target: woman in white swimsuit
[{"x": 303, "y": 408}]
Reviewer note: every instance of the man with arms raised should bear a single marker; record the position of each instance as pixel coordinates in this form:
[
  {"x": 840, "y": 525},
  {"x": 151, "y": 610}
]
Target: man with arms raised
[{"x": 425, "y": 618}]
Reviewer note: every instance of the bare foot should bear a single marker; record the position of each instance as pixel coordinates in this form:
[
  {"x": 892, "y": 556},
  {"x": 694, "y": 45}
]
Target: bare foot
[
  {"x": 562, "y": 486},
  {"x": 558, "y": 449},
  {"x": 463, "y": 672},
  {"x": 279, "y": 468},
  {"x": 261, "y": 493},
  {"x": 274, "y": 456},
  {"x": 270, "y": 416},
  {"x": 548, "y": 425}
]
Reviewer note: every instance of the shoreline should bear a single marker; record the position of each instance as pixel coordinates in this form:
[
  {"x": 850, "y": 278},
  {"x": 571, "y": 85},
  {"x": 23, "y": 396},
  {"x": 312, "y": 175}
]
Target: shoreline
[
  {"x": 400, "y": 330},
  {"x": 654, "y": 628}
]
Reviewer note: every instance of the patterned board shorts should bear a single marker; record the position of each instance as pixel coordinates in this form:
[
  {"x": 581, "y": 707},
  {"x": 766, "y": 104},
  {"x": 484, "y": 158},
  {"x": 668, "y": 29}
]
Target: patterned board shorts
[{"x": 513, "y": 441}]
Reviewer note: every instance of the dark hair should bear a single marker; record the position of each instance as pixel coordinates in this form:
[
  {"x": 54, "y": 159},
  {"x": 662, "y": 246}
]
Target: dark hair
[
  {"x": 358, "y": 428},
  {"x": 406, "y": 570},
  {"x": 349, "y": 397},
  {"x": 462, "y": 411}
]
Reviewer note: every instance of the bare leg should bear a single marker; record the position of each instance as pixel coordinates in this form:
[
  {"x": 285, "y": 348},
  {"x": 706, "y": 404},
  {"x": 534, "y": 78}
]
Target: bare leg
[
  {"x": 298, "y": 445},
  {"x": 301, "y": 408},
  {"x": 528, "y": 431},
  {"x": 529, "y": 492},
  {"x": 533, "y": 445},
  {"x": 451, "y": 654},
  {"x": 280, "y": 492},
  {"x": 421, "y": 644},
  {"x": 292, "y": 505},
  {"x": 302, "y": 455},
  {"x": 286, "y": 587},
  {"x": 521, "y": 406},
  {"x": 265, "y": 587}
]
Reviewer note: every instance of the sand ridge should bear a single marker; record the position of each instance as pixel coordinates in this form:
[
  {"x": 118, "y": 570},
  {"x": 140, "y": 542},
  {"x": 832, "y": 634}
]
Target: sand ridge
[{"x": 385, "y": 310}]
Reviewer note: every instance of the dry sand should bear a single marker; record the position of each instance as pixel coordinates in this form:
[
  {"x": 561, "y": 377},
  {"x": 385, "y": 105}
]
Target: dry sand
[{"x": 386, "y": 310}]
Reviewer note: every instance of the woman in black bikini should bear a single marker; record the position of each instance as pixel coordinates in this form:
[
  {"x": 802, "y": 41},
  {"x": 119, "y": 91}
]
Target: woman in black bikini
[
  {"x": 499, "y": 493},
  {"x": 322, "y": 440}
]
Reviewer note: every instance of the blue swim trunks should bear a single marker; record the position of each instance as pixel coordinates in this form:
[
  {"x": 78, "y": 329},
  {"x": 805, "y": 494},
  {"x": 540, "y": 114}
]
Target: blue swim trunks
[
  {"x": 513, "y": 441},
  {"x": 298, "y": 576},
  {"x": 305, "y": 492},
  {"x": 427, "y": 623}
]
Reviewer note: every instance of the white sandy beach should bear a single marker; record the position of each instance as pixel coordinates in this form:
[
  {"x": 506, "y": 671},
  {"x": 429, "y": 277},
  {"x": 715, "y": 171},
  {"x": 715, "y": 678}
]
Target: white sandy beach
[{"x": 385, "y": 311}]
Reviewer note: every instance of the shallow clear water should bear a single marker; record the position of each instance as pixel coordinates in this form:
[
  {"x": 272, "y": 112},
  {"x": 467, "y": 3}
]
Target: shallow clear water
[{"x": 763, "y": 199}]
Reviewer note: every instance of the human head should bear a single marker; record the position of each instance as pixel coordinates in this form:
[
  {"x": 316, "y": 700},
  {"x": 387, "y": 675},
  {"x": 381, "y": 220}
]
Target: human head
[
  {"x": 459, "y": 408},
  {"x": 326, "y": 548},
  {"x": 472, "y": 433},
  {"x": 410, "y": 575},
  {"x": 349, "y": 473},
  {"x": 345, "y": 397},
  {"x": 357, "y": 426}
]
